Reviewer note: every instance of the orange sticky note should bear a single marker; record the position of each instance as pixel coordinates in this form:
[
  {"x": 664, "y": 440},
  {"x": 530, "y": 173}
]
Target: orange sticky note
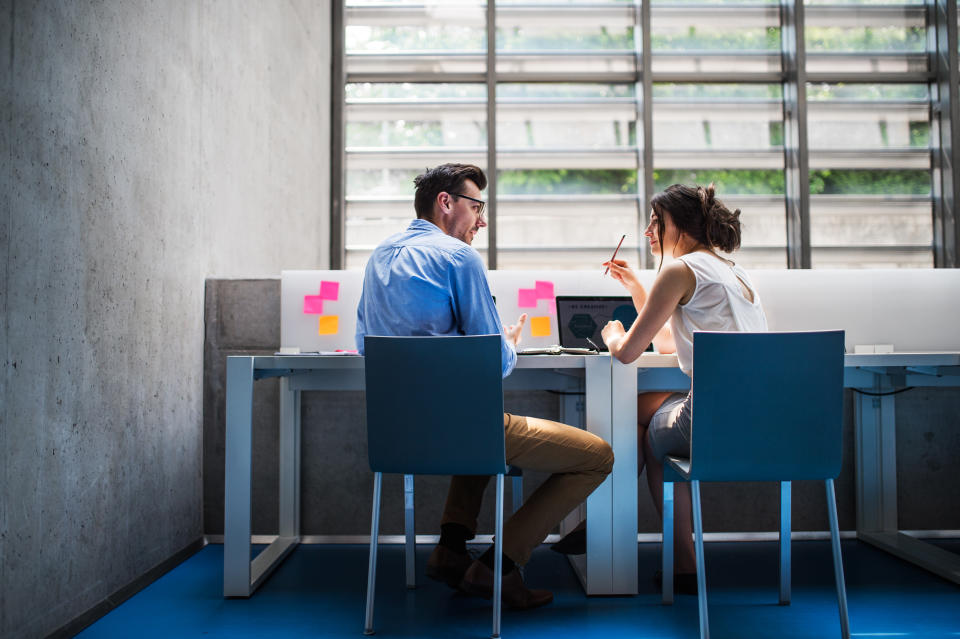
[
  {"x": 329, "y": 325},
  {"x": 539, "y": 326}
]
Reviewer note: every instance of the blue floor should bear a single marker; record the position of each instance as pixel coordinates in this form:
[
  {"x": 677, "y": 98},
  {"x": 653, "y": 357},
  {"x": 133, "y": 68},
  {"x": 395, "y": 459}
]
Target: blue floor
[{"x": 319, "y": 592}]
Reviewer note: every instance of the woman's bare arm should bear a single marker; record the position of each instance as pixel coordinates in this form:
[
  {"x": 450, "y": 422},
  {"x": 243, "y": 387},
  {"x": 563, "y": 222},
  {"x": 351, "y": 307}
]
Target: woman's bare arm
[{"x": 674, "y": 283}]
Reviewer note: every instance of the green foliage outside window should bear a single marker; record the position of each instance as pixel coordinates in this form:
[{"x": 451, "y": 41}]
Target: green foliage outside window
[{"x": 869, "y": 182}]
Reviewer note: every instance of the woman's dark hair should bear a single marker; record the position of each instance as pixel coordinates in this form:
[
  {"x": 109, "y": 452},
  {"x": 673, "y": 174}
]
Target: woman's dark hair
[
  {"x": 446, "y": 177},
  {"x": 696, "y": 212}
]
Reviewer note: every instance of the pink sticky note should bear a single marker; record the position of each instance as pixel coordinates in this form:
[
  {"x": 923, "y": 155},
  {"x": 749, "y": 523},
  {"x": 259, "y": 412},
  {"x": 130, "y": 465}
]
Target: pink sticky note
[
  {"x": 544, "y": 289},
  {"x": 527, "y": 298},
  {"x": 313, "y": 305},
  {"x": 552, "y": 306},
  {"x": 329, "y": 290}
]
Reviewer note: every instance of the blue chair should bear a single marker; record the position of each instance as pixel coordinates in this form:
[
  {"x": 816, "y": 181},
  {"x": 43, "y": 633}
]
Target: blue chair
[
  {"x": 766, "y": 407},
  {"x": 434, "y": 407}
]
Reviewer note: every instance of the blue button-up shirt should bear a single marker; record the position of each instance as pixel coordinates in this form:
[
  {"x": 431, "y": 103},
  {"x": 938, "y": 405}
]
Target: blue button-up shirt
[{"x": 424, "y": 282}]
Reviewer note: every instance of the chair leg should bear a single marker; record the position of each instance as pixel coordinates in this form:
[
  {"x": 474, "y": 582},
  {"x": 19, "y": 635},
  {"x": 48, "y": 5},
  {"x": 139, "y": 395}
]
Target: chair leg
[
  {"x": 372, "y": 567},
  {"x": 701, "y": 566},
  {"x": 517, "y": 492},
  {"x": 498, "y": 560},
  {"x": 666, "y": 547},
  {"x": 837, "y": 560},
  {"x": 410, "y": 532},
  {"x": 785, "y": 529}
]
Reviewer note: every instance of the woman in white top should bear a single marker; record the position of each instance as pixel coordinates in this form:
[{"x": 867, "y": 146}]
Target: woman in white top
[{"x": 695, "y": 290}]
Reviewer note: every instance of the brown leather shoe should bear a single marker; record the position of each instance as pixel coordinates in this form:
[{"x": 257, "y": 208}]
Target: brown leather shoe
[
  {"x": 516, "y": 596},
  {"x": 447, "y": 566}
]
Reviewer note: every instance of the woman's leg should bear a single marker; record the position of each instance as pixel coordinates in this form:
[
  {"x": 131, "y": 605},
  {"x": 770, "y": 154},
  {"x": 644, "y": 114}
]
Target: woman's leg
[
  {"x": 684, "y": 558},
  {"x": 647, "y": 405},
  {"x": 575, "y": 541}
]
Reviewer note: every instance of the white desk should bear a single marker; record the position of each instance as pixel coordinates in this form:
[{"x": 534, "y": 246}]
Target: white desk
[
  {"x": 610, "y": 390},
  {"x": 611, "y": 513}
]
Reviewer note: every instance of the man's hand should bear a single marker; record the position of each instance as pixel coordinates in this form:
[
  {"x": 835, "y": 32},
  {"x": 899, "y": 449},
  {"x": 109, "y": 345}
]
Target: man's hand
[
  {"x": 514, "y": 331},
  {"x": 612, "y": 335}
]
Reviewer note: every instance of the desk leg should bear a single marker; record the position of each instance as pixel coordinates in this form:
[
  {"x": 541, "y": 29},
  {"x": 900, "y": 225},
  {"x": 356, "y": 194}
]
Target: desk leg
[
  {"x": 289, "y": 460},
  {"x": 876, "y": 458},
  {"x": 289, "y": 494},
  {"x": 610, "y": 566},
  {"x": 236, "y": 491},
  {"x": 876, "y": 476}
]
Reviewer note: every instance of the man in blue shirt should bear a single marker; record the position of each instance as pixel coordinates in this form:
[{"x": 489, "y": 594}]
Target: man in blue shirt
[{"x": 428, "y": 280}]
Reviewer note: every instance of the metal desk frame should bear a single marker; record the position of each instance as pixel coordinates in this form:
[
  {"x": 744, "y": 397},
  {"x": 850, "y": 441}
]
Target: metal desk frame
[{"x": 876, "y": 454}]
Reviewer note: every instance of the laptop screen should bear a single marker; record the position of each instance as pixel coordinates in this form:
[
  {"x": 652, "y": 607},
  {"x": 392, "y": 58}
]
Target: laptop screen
[{"x": 583, "y": 316}]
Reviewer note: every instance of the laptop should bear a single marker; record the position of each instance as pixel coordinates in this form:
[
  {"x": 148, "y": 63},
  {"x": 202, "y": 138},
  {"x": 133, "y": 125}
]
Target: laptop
[{"x": 581, "y": 318}]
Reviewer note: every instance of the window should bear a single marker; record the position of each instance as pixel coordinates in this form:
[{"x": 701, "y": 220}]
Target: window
[{"x": 590, "y": 107}]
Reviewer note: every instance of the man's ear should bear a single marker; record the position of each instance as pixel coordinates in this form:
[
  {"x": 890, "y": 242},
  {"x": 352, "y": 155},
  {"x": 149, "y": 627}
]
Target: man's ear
[{"x": 443, "y": 199}]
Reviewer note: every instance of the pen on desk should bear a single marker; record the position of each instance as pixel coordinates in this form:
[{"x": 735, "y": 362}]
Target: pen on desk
[
  {"x": 615, "y": 252},
  {"x": 595, "y": 347}
]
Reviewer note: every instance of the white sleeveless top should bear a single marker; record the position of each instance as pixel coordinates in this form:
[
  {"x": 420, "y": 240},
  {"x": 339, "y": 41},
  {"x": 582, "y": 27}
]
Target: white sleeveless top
[{"x": 717, "y": 304}]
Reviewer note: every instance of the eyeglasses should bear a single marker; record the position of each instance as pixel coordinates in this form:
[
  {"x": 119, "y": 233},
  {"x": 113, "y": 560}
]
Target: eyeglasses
[{"x": 483, "y": 205}]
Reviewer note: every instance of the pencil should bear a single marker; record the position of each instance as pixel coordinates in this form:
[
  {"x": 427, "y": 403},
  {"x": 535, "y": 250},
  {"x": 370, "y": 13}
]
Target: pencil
[{"x": 615, "y": 252}]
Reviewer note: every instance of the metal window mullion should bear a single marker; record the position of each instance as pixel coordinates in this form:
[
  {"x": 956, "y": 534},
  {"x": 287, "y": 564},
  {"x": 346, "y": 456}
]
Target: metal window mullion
[
  {"x": 337, "y": 138},
  {"x": 945, "y": 121},
  {"x": 491, "y": 134},
  {"x": 644, "y": 96},
  {"x": 796, "y": 161}
]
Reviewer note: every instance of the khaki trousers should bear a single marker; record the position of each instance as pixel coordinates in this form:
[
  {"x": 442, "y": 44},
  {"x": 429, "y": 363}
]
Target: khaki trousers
[{"x": 579, "y": 462}]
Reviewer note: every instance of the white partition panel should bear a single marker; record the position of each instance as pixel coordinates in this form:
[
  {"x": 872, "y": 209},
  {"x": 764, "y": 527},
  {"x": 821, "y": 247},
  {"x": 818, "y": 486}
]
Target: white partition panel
[
  {"x": 911, "y": 309},
  {"x": 318, "y": 310}
]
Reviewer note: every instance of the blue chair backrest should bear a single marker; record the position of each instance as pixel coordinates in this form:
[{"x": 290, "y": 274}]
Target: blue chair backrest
[
  {"x": 767, "y": 406},
  {"x": 434, "y": 405}
]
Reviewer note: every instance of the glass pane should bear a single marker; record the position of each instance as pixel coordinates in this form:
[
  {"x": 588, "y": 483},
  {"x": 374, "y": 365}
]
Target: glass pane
[
  {"x": 718, "y": 116},
  {"x": 715, "y": 37},
  {"x": 567, "y": 219},
  {"x": 451, "y": 26},
  {"x": 731, "y": 135},
  {"x": 448, "y": 37},
  {"x": 866, "y": 37},
  {"x": 393, "y": 132},
  {"x": 870, "y": 181},
  {"x": 560, "y": 28},
  {"x": 568, "y": 173},
  {"x": 565, "y": 39}
]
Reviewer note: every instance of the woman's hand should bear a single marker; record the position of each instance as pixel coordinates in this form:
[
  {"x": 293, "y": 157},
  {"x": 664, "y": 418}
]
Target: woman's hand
[
  {"x": 612, "y": 336},
  {"x": 625, "y": 275}
]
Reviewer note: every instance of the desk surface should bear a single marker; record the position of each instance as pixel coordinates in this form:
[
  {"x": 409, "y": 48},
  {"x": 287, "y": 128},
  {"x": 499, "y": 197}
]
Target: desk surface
[{"x": 647, "y": 360}]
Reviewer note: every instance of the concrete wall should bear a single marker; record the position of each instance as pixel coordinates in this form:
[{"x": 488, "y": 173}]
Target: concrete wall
[
  {"x": 146, "y": 146},
  {"x": 336, "y": 482}
]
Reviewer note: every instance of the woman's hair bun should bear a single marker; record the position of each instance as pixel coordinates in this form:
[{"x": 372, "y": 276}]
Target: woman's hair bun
[{"x": 722, "y": 225}]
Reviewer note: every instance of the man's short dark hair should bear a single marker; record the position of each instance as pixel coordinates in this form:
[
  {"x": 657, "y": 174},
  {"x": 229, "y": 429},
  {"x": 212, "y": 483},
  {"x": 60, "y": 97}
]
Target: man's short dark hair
[{"x": 446, "y": 177}]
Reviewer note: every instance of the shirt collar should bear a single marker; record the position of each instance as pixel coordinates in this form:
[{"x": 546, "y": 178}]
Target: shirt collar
[{"x": 420, "y": 224}]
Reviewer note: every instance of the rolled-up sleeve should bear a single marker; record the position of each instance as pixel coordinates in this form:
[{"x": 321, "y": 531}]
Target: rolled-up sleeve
[{"x": 473, "y": 304}]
